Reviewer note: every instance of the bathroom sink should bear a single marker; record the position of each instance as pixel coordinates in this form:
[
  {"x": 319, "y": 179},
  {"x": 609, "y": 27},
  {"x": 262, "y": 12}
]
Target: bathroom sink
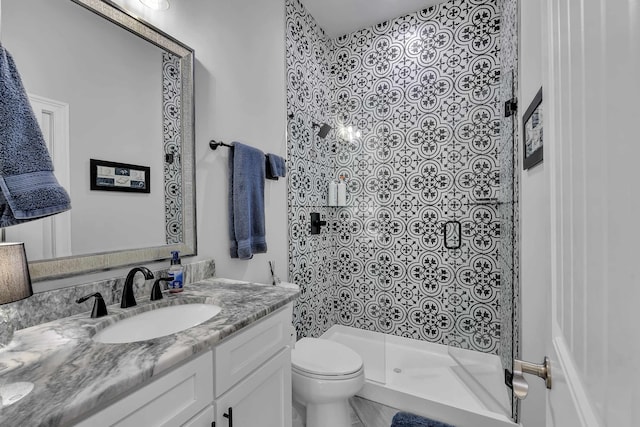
[{"x": 156, "y": 323}]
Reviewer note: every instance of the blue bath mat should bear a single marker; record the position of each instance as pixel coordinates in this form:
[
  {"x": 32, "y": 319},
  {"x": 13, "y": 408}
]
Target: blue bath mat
[{"x": 405, "y": 419}]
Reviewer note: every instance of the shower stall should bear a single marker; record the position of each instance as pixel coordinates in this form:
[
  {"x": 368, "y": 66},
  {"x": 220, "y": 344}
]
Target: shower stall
[{"x": 422, "y": 255}]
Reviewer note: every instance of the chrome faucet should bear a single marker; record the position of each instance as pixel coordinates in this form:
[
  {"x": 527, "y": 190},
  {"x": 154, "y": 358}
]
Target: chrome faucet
[{"x": 128, "y": 299}]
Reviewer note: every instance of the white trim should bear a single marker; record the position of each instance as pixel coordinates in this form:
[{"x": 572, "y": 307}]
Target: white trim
[
  {"x": 59, "y": 152},
  {"x": 58, "y": 233}
]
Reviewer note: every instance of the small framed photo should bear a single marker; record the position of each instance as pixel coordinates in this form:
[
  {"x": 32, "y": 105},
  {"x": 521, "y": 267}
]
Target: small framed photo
[
  {"x": 532, "y": 135},
  {"x": 112, "y": 176}
]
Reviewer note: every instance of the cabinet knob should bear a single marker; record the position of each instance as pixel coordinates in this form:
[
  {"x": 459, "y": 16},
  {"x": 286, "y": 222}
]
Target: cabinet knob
[{"x": 229, "y": 416}]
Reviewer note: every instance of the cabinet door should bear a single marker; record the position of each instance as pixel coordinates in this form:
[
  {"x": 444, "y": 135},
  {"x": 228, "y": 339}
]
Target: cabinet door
[
  {"x": 262, "y": 399},
  {"x": 243, "y": 353},
  {"x": 203, "y": 419}
]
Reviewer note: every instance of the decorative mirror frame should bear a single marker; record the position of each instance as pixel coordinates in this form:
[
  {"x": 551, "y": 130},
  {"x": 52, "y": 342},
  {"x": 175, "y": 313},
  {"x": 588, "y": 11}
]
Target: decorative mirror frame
[{"x": 82, "y": 264}]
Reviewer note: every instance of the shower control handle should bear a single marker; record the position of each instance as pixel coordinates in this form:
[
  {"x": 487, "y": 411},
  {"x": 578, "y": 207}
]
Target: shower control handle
[
  {"x": 316, "y": 223},
  {"x": 520, "y": 367}
]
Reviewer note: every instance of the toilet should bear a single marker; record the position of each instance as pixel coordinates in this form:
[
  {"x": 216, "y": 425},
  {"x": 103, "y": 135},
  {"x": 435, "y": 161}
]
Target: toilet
[{"x": 325, "y": 374}]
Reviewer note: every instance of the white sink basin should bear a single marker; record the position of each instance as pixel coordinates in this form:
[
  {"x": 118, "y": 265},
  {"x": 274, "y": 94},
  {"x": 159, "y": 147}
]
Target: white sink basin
[{"x": 156, "y": 323}]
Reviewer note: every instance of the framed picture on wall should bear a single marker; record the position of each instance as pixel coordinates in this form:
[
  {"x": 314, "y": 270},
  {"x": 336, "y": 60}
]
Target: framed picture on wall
[
  {"x": 532, "y": 135},
  {"x": 112, "y": 176}
]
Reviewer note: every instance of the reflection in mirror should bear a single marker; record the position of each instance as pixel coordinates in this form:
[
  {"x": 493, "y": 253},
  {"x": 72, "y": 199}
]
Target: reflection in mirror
[
  {"x": 120, "y": 93},
  {"x": 452, "y": 235}
]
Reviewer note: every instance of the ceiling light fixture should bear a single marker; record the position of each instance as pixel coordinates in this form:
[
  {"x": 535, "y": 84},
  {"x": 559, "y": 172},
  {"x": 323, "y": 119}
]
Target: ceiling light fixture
[{"x": 156, "y": 4}]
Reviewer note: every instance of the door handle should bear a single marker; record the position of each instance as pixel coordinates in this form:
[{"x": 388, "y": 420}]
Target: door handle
[{"x": 520, "y": 367}]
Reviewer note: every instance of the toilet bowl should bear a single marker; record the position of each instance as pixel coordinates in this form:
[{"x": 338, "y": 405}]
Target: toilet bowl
[{"x": 325, "y": 374}]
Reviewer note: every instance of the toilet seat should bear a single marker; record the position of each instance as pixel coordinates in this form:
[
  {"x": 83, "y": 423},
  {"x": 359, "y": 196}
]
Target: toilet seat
[
  {"x": 327, "y": 377},
  {"x": 325, "y": 359}
]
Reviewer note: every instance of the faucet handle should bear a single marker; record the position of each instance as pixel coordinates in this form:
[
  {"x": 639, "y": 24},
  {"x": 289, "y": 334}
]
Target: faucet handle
[
  {"x": 99, "y": 307},
  {"x": 156, "y": 292}
]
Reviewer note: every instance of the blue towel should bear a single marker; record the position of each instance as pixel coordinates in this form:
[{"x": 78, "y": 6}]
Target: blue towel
[
  {"x": 29, "y": 188},
  {"x": 275, "y": 167},
  {"x": 246, "y": 201},
  {"x": 405, "y": 419}
]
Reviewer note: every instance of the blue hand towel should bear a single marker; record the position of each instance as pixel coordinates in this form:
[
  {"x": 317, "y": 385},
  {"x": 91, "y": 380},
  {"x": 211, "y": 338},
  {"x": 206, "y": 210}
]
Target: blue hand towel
[
  {"x": 29, "y": 188},
  {"x": 276, "y": 167},
  {"x": 246, "y": 201},
  {"x": 405, "y": 419}
]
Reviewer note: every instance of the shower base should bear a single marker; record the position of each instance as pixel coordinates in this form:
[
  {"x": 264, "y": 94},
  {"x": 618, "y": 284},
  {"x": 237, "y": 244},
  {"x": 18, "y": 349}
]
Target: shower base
[{"x": 422, "y": 378}]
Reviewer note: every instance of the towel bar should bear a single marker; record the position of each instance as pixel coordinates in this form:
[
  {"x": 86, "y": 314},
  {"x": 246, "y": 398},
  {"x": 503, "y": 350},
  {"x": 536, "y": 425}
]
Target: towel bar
[{"x": 213, "y": 144}]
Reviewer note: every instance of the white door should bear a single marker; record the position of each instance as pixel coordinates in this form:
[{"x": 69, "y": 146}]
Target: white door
[
  {"x": 592, "y": 147},
  {"x": 49, "y": 237}
]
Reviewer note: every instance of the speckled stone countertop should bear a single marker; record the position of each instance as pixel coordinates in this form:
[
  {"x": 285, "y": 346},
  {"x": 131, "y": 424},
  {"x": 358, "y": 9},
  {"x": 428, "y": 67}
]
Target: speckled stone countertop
[{"x": 73, "y": 375}]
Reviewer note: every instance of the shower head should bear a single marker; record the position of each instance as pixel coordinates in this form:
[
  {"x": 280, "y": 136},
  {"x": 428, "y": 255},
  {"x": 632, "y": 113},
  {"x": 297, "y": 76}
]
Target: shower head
[{"x": 324, "y": 129}]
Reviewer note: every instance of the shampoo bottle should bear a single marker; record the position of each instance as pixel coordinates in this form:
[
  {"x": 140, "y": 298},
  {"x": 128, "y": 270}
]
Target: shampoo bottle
[
  {"x": 332, "y": 199},
  {"x": 342, "y": 192},
  {"x": 175, "y": 273}
]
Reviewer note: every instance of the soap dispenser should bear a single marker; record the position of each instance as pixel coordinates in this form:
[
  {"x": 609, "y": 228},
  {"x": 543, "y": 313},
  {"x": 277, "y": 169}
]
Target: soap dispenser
[{"x": 176, "y": 273}]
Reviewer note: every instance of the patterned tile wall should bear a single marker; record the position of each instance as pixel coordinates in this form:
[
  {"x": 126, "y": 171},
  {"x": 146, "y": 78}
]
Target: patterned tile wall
[
  {"x": 310, "y": 164},
  {"x": 423, "y": 90},
  {"x": 172, "y": 133}
]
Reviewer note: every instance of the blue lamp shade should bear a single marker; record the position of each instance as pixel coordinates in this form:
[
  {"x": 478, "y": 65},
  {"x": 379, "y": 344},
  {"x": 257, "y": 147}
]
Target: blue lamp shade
[{"x": 15, "y": 281}]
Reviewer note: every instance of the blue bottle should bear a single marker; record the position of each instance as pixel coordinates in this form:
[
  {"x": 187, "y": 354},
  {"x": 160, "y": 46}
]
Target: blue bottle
[{"x": 176, "y": 273}]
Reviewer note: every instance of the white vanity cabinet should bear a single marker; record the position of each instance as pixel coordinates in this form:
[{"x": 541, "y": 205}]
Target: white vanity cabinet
[
  {"x": 253, "y": 375},
  {"x": 245, "y": 381}
]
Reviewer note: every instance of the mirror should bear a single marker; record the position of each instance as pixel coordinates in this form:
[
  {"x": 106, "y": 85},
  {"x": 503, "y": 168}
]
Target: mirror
[{"x": 106, "y": 86}]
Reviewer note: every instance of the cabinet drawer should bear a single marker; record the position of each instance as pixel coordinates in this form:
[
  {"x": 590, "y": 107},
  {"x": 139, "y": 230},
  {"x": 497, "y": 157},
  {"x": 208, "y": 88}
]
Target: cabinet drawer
[
  {"x": 240, "y": 355},
  {"x": 168, "y": 401}
]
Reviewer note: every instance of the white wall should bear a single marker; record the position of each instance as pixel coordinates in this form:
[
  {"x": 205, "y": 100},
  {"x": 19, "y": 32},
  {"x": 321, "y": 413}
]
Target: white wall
[
  {"x": 240, "y": 95},
  {"x": 535, "y": 261}
]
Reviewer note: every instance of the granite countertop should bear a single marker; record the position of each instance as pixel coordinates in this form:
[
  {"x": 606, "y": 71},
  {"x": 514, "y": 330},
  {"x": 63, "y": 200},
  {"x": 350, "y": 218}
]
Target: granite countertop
[{"x": 73, "y": 375}]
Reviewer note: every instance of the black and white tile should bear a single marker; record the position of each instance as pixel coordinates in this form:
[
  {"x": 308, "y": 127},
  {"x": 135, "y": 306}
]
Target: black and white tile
[
  {"x": 423, "y": 91},
  {"x": 310, "y": 161},
  {"x": 172, "y": 133}
]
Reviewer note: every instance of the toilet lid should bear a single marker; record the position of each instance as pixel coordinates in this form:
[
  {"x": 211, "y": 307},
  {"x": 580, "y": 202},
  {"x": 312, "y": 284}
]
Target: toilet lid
[{"x": 324, "y": 357}]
